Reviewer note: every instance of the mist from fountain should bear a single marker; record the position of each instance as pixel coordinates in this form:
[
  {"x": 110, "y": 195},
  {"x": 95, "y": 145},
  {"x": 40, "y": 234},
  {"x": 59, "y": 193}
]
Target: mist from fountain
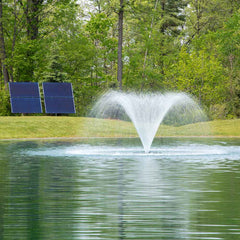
[{"x": 148, "y": 110}]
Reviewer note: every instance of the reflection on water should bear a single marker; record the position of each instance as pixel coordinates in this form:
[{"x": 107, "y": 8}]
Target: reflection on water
[{"x": 52, "y": 190}]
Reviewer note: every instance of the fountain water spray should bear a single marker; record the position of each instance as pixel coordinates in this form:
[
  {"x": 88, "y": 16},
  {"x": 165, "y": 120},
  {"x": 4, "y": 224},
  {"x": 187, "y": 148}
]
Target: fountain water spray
[{"x": 146, "y": 110}]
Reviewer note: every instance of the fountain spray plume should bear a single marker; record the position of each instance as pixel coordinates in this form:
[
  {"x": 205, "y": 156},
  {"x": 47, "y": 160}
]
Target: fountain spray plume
[{"x": 145, "y": 110}]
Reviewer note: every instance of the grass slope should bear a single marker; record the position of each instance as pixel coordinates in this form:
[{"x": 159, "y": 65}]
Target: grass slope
[{"x": 51, "y": 127}]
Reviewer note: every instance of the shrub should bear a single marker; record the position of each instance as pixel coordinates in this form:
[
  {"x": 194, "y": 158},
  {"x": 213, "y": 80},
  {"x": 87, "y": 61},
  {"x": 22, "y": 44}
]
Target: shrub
[{"x": 5, "y": 106}]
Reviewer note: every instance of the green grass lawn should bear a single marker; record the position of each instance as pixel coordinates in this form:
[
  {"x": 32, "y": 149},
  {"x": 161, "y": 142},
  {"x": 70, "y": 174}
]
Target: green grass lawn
[{"x": 51, "y": 127}]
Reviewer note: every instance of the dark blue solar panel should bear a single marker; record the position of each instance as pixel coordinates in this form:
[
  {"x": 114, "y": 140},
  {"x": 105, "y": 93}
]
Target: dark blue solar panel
[
  {"x": 59, "y": 105},
  {"x": 24, "y": 89},
  {"x": 58, "y": 98},
  {"x": 57, "y": 89},
  {"x": 25, "y": 97},
  {"x": 26, "y": 105}
]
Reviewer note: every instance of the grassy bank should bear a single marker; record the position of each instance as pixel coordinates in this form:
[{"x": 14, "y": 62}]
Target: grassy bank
[{"x": 51, "y": 127}]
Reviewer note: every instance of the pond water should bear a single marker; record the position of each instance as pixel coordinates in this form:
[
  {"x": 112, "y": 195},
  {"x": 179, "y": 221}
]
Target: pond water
[{"x": 110, "y": 189}]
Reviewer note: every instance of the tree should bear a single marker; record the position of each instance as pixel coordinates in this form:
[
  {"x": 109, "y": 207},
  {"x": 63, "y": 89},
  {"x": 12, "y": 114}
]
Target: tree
[
  {"x": 152, "y": 39},
  {"x": 199, "y": 73},
  {"x": 167, "y": 44},
  {"x": 120, "y": 43},
  {"x": 33, "y": 11},
  {"x": 228, "y": 42},
  {"x": 3, "y": 54},
  {"x": 101, "y": 33},
  {"x": 110, "y": 8},
  {"x": 204, "y": 16}
]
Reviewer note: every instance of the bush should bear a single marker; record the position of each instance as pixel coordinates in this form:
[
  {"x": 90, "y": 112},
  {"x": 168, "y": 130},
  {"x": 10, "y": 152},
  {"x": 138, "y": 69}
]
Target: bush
[
  {"x": 218, "y": 111},
  {"x": 5, "y": 106}
]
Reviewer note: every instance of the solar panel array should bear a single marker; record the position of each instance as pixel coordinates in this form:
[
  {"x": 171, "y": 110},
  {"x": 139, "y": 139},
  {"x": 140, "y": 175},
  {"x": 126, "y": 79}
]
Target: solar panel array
[
  {"x": 58, "y": 98},
  {"x": 25, "y": 97}
]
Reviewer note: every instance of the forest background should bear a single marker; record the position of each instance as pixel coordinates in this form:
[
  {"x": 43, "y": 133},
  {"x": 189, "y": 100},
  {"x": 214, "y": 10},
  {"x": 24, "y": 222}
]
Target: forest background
[{"x": 168, "y": 45}]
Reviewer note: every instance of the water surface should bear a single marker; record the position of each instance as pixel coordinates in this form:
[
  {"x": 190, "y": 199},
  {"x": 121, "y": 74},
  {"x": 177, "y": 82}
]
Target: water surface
[{"x": 111, "y": 189}]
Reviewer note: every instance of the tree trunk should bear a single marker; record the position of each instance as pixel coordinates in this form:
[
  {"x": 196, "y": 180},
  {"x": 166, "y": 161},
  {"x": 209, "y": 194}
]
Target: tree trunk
[
  {"x": 162, "y": 29},
  {"x": 33, "y": 9},
  {"x": 3, "y": 54},
  {"x": 120, "y": 43},
  {"x": 32, "y": 16}
]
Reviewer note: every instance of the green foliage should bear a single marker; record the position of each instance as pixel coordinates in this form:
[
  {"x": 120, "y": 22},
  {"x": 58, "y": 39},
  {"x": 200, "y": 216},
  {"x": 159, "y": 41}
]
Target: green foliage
[
  {"x": 218, "y": 111},
  {"x": 98, "y": 27},
  {"x": 27, "y": 59},
  {"x": 188, "y": 46},
  {"x": 54, "y": 71},
  {"x": 5, "y": 108},
  {"x": 228, "y": 41},
  {"x": 198, "y": 73},
  {"x": 153, "y": 28}
]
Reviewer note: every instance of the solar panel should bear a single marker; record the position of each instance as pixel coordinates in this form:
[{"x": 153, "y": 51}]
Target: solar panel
[
  {"x": 58, "y": 98},
  {"x": 57, "y": 89},
  {"x": 59, "y": 105},
  {"x": 26, "y": 105},
  {"x": 24, "y": 89},
  {"x": 25, "y": 97}
]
